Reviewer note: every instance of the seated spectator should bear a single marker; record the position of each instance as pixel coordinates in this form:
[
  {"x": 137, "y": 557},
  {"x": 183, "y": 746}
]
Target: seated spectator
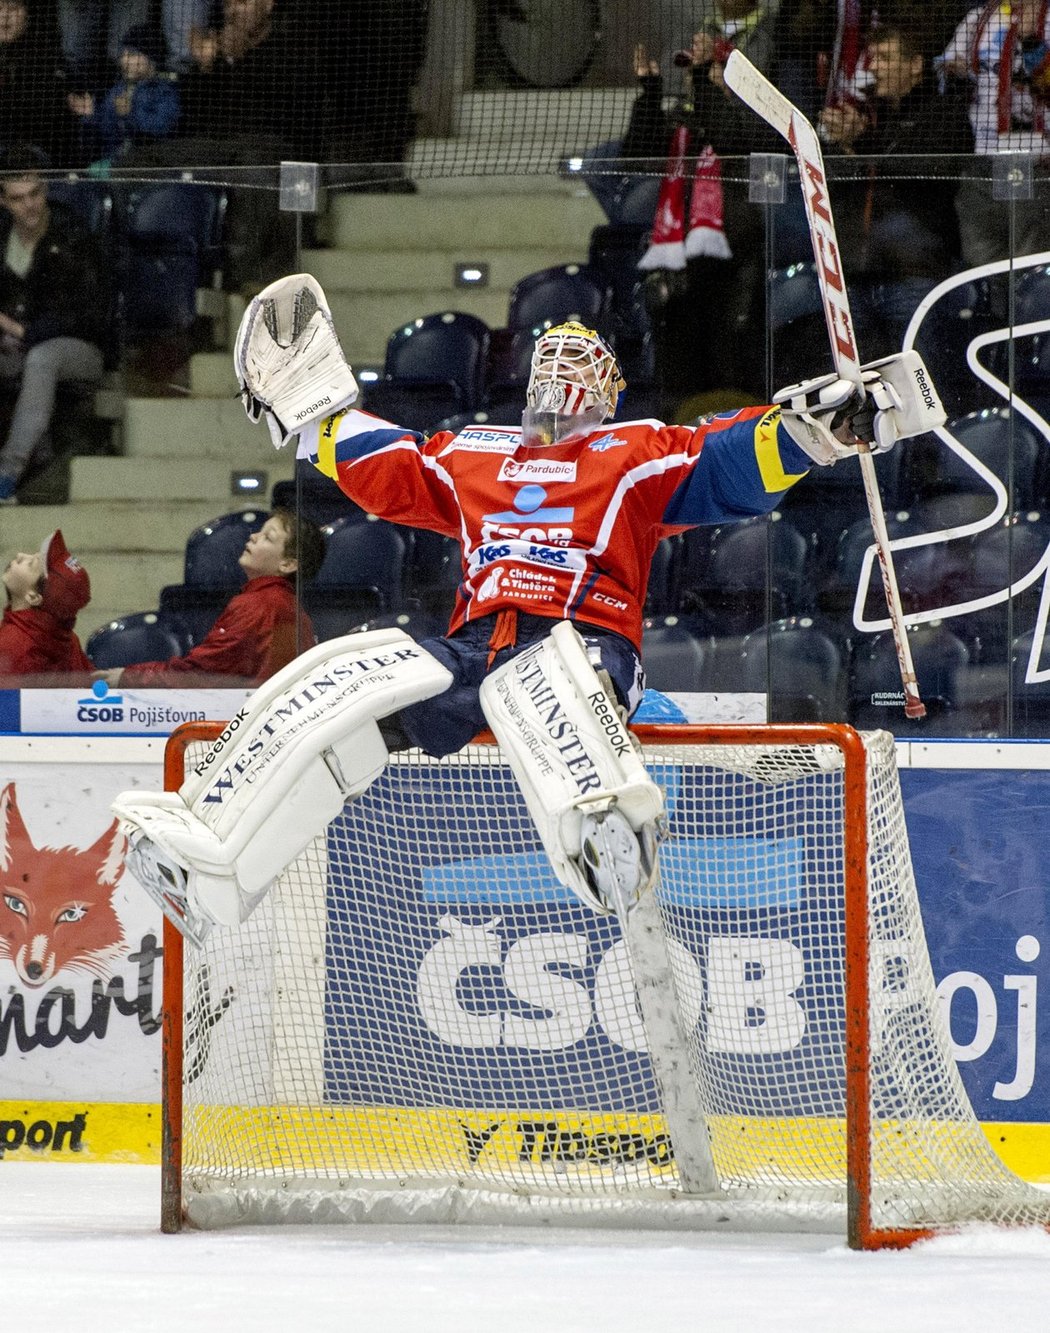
[
  {"x": 696, "y": 351},
  {"x": 262, "y": 628},
  {"x": 92, "y": 31},
  {"x": 142, "y": 105},
  {"x": 1008, "y": 115},
  {"x": 240, "y": 70},
  {"x": 53, "y": 312},
  {"x": 32, "y": 85},
  {"x": 181, "y": 18},
  {"x": 45, "y": 590},
  {"x": 899, "y": 237}
]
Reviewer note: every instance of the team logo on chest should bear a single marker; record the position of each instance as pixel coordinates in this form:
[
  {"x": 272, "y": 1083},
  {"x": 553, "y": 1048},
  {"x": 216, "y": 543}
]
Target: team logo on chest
[{"x": 609, "y": 441}]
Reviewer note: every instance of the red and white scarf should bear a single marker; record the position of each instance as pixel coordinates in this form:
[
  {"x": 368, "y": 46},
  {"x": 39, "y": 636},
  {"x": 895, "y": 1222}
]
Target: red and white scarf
[{"x": 672, "y": 241}]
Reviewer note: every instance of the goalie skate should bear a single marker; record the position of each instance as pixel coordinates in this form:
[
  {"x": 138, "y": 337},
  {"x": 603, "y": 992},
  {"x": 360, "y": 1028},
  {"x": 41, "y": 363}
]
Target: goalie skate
[
  {"x": 617, "y": 864},
  {"x": 167, "y": 883}
]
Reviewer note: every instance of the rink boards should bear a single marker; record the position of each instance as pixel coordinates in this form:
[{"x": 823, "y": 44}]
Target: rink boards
[{"x": 79, "y": 1056}]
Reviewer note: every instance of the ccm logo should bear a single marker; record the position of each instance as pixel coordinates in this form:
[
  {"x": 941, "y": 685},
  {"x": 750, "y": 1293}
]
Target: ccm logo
[
  {"x": 321, "y": 402},
  {"x": 924, "y": 389}
]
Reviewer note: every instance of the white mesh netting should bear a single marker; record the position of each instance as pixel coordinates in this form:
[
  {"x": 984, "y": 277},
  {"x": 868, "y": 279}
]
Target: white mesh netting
[{"x": 420, "y": 1019}]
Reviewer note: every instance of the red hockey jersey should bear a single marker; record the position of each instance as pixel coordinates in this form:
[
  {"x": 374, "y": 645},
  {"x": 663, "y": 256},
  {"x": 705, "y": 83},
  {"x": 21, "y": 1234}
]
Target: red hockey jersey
[{"x": 568, "y": 530}]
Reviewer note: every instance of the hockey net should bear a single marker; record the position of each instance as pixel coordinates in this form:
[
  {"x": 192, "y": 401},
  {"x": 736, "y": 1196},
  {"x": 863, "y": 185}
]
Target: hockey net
[{"x": 420, "y": 1023}]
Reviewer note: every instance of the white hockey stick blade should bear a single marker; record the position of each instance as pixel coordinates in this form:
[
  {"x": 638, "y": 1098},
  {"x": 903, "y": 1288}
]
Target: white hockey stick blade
[{"x": 752, "y": 87}]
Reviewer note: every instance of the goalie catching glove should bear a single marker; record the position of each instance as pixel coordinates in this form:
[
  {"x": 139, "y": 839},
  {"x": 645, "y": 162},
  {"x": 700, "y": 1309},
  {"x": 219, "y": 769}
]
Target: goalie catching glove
[
  {"x": 830, "y": 417},
  {"x": 290, "y": 367}
]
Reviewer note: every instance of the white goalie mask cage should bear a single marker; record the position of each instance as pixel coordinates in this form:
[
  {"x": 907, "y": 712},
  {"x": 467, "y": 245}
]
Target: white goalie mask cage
[{"x": 574, "y": 382}]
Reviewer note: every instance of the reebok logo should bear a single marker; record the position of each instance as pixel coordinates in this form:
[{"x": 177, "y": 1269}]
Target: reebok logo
[
  {"x": 925, "y": 389},
  {"x": 321, "y": 402}
]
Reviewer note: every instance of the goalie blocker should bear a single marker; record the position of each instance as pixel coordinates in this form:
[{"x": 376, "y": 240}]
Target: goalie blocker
[
  {"x": 827, "y": 416},
  {"x": 308, "y": 742}
]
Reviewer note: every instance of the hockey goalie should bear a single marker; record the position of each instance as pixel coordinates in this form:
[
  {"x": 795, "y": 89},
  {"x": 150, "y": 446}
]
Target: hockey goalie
[{"x": 558, "y": 517}]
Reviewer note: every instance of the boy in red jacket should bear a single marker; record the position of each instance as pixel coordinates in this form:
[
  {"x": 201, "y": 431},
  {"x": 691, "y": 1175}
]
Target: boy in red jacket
[
  {"x": 262, "y": 627},
  {"x": 45, "y": 591}
]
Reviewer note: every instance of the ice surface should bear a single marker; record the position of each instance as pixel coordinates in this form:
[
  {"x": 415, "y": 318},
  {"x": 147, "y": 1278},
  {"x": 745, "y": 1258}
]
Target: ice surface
[{"x": 81, "y": 1253}]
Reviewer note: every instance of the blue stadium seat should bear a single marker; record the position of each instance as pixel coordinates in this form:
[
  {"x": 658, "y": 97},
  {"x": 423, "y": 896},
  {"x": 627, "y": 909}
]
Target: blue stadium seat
[
  {"x": 1006, "y": 443},
  {"x": 213, "y": 549},
  {"x": 362, "y": 574},
  {"x": 940, "y": 657},
  {"x": 735, "y": 588},
  {"x": 144, "y": 636},
  {"x": 416, "y": 407},
  {"x": 838, "y": 588},
  {"x": 953, "y": 321},
  {"x": 313, "y": 495},
  {"x": 613, "y": 254},
  {"x": 934, "y": 575},
  {"x": 507, "y": 373},
  {"x": 661, "y": 596},
  {"x": 564, "y": 292},
  {"x": 1031, "y": 701},
  {"x": 197, "y": 607},
  {"x": 211, "y": 574},
  {"x": 91, "y": 202},
  {"x": 435, "y": 572},
  {"x": 799, "y": 664},
  {"x": 793, "y": 292},
  {"x": 171, "y": 246},
  {"x": 438, "y": 359},
  {"x": 673, "y": 655},
  {"x": 1000, "y": 557}
]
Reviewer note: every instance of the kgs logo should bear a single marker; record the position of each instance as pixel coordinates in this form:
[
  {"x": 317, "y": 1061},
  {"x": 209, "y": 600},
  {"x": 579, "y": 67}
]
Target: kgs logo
[
  {"x": 102, "y": 706},
  {"x": 493, "y": 551}
]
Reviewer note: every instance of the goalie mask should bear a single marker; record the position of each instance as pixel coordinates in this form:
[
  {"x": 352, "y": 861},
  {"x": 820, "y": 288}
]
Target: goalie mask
[{"x": 574, "y": 385}]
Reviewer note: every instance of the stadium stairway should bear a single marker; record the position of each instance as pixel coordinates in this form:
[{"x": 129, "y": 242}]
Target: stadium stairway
[{"x": 388, "y": 258}]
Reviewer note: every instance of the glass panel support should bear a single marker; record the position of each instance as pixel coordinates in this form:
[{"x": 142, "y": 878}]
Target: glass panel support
[
  {"x": 768, "y": 172},
  {"x": 1012, "y": 176},
  {"x": 300, "y": 188}
]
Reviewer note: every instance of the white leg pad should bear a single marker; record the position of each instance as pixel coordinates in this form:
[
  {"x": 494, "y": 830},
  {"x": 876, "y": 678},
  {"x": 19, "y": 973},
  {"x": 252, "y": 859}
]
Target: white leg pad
[
  {"x": 577, "y": 767},
  {"x": 304, "y": 744}
]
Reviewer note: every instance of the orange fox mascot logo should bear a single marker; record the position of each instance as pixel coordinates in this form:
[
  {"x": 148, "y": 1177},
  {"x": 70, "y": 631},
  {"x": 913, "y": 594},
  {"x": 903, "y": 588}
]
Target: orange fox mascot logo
[{"x": 56, "y": 903}]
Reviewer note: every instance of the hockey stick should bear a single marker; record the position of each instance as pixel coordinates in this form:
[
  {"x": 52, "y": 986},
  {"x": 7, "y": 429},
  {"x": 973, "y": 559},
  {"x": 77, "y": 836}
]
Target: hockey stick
[{"x": 752, "y": 87}]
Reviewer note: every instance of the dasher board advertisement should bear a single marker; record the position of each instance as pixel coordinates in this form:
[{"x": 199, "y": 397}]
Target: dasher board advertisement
[{"x": 98, "y": 710}]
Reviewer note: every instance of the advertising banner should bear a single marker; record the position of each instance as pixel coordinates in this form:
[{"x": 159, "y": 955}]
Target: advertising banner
[
  {"x": 97, "y": 710},
  {"x": 80, "y": 962}
]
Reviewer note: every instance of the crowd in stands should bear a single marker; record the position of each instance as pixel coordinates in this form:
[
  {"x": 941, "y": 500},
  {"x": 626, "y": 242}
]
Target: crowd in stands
[
  {"x": 89, "y": 81},
  {"x": 904, "y": 97}
]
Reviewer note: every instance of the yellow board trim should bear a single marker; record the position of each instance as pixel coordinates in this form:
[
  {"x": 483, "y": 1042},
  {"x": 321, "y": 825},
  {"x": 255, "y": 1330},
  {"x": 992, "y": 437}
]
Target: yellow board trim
[
  {"x": 399, "y": 1141},
  {"x": 79, "y": 1132},
  {"x": 767, "y": 454}
]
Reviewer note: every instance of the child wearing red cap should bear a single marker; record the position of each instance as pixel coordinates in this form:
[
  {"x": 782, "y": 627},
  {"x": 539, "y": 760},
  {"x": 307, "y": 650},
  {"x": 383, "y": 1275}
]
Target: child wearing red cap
[{"x": 45, "y": 591}]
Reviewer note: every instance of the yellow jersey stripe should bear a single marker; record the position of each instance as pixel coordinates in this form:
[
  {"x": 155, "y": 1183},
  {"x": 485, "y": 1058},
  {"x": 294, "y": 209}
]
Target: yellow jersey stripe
[{"x": 767, "y": 455}]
